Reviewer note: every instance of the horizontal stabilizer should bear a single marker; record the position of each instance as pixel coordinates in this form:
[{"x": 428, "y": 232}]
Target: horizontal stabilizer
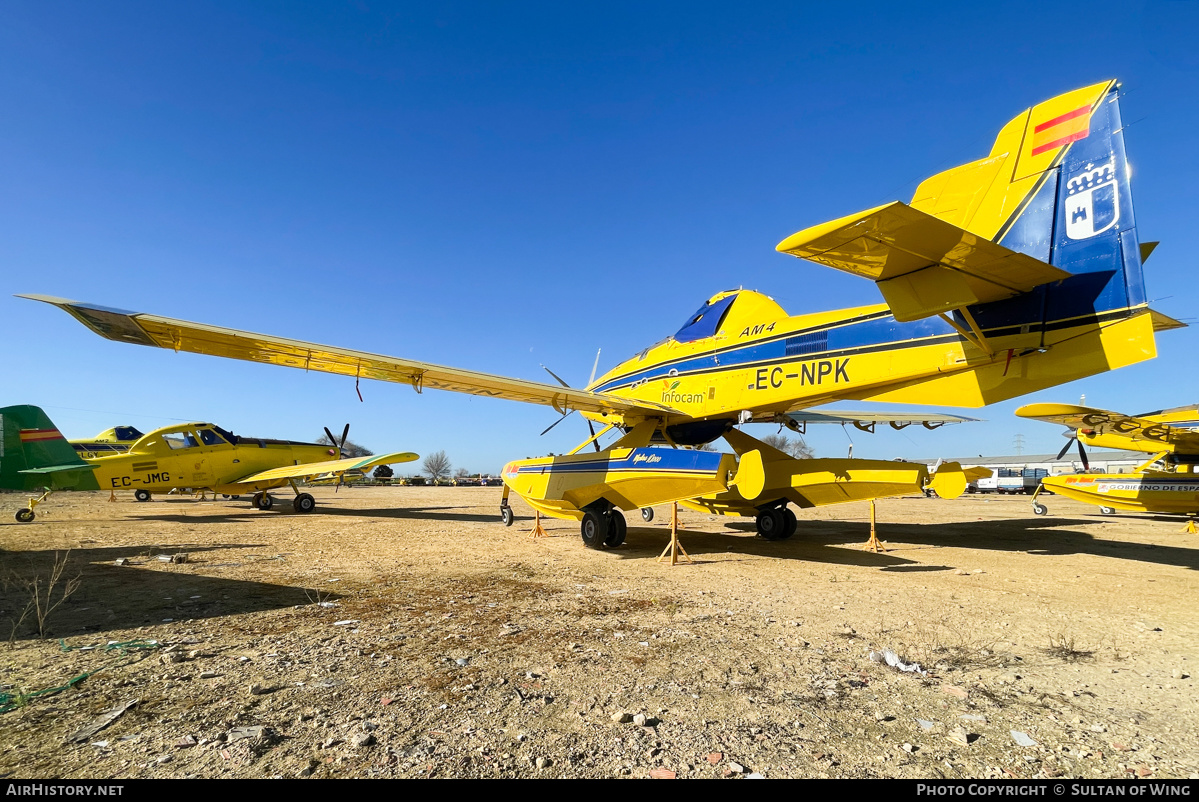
[
  {"x": 1164, "y": 322},
  {"x": 923, "y": 265},
  {"x": 60, "y": 468}
]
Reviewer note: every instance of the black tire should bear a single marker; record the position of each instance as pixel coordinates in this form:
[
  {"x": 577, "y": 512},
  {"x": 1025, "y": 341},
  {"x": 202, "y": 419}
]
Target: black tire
[
  {"x": 304, "y": 503},
  {"x": 1107, "y": 510},
  {"x": 617, "y": 529},
  {"x": 791, "y": 524},
  {"x": 265, "y": 502},
  {"x": 506, "y": 516},
  {"x": 594, "y": 530},
  {"x": 772, "y": 524},
  {"x": 141, "y": 494},
  {"x": 1039, "y": 509},
  {"x": 647, "y": 514},
  {"x": 24, "y": 515}
]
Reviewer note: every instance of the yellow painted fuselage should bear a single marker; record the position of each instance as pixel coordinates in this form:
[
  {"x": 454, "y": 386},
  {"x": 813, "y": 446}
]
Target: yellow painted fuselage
[
  {"x": 199, "y": 456},
  {"x": 1147, "y": 491}
]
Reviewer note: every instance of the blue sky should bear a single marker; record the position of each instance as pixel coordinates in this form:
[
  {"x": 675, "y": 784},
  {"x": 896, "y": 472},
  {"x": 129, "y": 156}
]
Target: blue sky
[{"x": 495, "y": 186}]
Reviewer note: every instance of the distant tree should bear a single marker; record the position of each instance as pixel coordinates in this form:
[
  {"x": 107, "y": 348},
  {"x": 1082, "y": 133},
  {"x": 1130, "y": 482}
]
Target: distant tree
[
  {"x": 384, "y": 473},
  {"x": 351, "y": 449},
  {"x": 436, "y": 466},
  {"x": 796, "y": 448},
  {"x": 461, "y": 473}
]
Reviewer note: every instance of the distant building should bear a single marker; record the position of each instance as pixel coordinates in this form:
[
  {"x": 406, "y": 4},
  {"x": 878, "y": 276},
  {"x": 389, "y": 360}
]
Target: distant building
[{"x": 1101, "y": 460}]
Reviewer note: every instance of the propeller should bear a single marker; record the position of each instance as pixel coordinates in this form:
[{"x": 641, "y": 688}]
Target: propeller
[
  {"x": 590, "y": 427},
  {"x": 345, "y": 433},
  {"x": 1082, "y": 452}
]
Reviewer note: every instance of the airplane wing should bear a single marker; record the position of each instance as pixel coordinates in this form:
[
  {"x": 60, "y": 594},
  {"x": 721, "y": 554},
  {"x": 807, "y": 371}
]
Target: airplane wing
[
  {"x": 1135, "y": 429},
  {"x": 334, "y": 466},
  {"x": 867, "y": 420},
  {"x": 199, "y": 338},
  {"x": 923, "y": 265}
]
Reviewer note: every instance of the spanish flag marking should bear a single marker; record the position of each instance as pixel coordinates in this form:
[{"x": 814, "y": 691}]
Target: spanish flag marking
[
  {"x": 33, "y": 435},
  {"x": 1062, "y": 130}
]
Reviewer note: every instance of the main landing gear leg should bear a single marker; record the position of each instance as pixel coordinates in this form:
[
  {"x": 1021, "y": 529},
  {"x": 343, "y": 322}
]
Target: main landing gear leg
[
  {"x": 674, "y": 548},
  {"x": 1037, "y": 507},
  {"x": 873, "y": 543},
  {"x": 506, "y": 516}
]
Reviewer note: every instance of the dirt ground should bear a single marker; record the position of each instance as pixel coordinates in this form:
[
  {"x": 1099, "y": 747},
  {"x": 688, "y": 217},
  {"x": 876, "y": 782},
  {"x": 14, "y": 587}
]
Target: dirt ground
[{"x": 403, "y": 632}]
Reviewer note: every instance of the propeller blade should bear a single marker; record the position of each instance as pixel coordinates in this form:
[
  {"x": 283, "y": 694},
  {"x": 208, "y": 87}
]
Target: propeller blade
[
  {"x": 344, "y": 434},
  {"x": 1066, "y": 447},
  {"x": 329, "y": 434},
  {"x": 594, "y": 367},
  {"x": 556, "y": 376},
  {"x": 1082, "y": 454},
  {"x": 555, "y": 423}
]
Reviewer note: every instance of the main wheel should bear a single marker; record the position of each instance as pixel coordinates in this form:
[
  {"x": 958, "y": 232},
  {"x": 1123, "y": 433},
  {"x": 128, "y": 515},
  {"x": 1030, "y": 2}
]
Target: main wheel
[
  {"x": 617, "y": 529},
  {"x": 772, "y": 524},
  {"x": 1039, "y": 509},
  {"x": 594, "y": 529},
  {"x": 303, "y": 503},
  {"x": 265, "y": 502},
  {"x": 141, "y": 494},
  {"x": 647, "y": 514},
  {"x": 1107, "y": 510},
  {"x": 24, "y": 515},
  {"x": 506, "y": 515},
  {"x": 791, "y": 523}
]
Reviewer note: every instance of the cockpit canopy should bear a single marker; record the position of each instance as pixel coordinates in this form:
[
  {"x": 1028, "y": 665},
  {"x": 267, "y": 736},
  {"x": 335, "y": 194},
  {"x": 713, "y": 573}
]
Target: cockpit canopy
[
  {"x": 729, "y": 309},
  {"x": 706, "y": 320}
]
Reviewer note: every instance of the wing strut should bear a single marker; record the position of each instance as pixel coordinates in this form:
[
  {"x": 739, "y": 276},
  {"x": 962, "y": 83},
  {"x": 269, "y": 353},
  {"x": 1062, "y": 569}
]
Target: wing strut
[{"x": 975, "y": 336}]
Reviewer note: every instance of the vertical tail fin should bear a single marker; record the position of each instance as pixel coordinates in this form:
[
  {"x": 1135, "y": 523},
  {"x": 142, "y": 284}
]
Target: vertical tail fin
[
  {"x": 1054, "y": 187},
  {"x": 30, "y": 441}
]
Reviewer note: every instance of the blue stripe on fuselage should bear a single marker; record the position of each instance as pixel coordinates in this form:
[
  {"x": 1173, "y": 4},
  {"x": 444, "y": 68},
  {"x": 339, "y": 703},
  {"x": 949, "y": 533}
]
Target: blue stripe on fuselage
[{"x": 639, "y": 459}]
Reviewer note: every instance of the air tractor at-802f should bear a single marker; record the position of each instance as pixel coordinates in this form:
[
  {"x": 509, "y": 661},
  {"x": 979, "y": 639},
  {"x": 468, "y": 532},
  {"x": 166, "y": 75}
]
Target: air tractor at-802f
[{"x": 1010, "y": 274}]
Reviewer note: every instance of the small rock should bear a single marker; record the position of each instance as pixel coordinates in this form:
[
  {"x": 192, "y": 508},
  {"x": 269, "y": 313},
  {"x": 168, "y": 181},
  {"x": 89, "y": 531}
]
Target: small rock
[
  {"x": 1021, "y": 739},
  {"x": 640, "y": 719},
  {"x": 208, "y": 675},
  {"x": 736, "y": 768},
  {"x": 954, "y": 690},
  {"x": 959, "y": 736},
  {"x": 544, "y": 763},
  {"x": 715, "y": 757},
  {"x": 622, "y": 718},
  {"x": 185, "y": 742},
  {"x": 662, "y": 774},
  {"x": 907, "y": 747},
  {"x": 239, "y": 733},
  {"x": 925, "y": 724},
  {"x": 363, "y": 739},
  {"x": 165, "y": 758},
  {"x": 462, "y": 661},
  {"x": 259, "y": 689}
]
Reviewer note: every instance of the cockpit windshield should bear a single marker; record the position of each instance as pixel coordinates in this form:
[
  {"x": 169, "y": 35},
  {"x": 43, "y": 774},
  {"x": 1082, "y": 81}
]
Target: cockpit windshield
[
  {"x": 706, "y": 320},
  {"x": 210, "y": 438}
]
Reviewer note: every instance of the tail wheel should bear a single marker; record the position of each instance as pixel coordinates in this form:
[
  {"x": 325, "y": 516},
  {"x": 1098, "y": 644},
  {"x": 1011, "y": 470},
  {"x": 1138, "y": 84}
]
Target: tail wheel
[
  {"x": 24, "y": 515},
  {"x": 262, "y": 501},
  {"x": 617, "y": 529},
  {"x": 647, "y": 514},
  {"x": 303, "y": 503},
  {"x": 506, "y": 515},
  {"x": 1108, "y": 510},
  {"x": 772, "y": 524},
  {"x": 1039, "y": 509},
  {"x": 594, "y": 529},
  {"x": 141, "y": 494}
]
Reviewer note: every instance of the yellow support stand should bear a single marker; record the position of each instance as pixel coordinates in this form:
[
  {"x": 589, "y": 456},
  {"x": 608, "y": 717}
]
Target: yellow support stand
[
  {"x": 674, "y": 548},
  {"x": 1190, "y": 528},
  {"x": 538, "y": 529},
  {"x": 873, "y": 543}
]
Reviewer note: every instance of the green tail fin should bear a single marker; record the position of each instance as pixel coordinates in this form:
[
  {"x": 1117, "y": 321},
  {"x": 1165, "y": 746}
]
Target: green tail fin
[{"x": 34, "y": 454}]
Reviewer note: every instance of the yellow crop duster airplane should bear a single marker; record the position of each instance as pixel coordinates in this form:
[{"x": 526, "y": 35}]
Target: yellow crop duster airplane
[
  {"x": 1013, "y": 273},
  {"x": 1167, "y": 482},
  {"x": 35, "y": 455}
]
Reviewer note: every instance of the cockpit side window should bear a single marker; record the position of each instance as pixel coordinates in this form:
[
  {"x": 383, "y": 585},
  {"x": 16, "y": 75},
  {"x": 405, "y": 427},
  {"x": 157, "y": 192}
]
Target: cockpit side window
[
  {"x": 210, "y": 438},
  {"x": 178, "y": 440},
  {"x": 706, "y": 320}
]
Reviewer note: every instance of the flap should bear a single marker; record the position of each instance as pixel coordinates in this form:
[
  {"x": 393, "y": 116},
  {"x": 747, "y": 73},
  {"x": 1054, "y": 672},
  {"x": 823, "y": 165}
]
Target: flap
[{"x": 333, "y": 466}]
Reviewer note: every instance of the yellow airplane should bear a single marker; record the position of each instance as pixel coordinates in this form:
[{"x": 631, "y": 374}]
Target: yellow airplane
[
  {"x": 35, "y": 455},
  {"x": 1010, "y": 274},
  {"x": 1167, "y": 482},
  {"x": 116, "y": 440}
]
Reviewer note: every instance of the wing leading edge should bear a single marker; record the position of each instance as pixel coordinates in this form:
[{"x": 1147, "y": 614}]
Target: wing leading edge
[
  {"x": 199, "y": 338},
  {"x": 333, "y": 466}
]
